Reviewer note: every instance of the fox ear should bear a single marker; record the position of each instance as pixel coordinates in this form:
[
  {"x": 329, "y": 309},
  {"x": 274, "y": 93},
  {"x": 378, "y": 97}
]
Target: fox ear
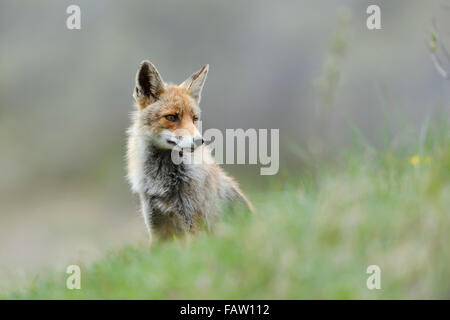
[
  {"x": 149, "y": 84},
  {"x": 196, "y": 81}
]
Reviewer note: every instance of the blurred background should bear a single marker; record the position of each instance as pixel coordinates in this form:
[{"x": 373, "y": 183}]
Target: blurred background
[{"x": 309, "y": 68}]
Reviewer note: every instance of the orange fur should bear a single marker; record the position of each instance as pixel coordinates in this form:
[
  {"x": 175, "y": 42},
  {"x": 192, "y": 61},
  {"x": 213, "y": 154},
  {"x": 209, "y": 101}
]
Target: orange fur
[{"x": 174, "y": 100}]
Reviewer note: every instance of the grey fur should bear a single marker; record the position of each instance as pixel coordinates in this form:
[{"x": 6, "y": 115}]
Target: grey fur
[{"x": 175, "y": 198}]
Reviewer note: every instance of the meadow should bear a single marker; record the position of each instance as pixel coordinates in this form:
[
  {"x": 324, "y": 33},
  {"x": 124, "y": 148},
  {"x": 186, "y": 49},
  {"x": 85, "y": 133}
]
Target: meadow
[{"x": 313, "y": 237}]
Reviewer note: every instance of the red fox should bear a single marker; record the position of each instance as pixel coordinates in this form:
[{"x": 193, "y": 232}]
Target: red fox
[{"x": 174, "y": 198}]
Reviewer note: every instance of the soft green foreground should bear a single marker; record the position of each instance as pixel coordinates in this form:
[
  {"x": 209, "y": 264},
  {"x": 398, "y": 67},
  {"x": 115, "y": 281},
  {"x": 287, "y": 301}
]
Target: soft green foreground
[{"x": 312, "y": 239}]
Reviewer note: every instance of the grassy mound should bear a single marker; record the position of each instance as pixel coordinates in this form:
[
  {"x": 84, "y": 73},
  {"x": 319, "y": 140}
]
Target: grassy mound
[{"x": 312, "y": 240}]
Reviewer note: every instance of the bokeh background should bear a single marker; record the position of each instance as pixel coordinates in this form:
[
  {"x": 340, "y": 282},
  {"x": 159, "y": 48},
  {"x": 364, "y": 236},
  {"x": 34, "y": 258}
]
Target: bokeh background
[{"x": 309, "y": 68}]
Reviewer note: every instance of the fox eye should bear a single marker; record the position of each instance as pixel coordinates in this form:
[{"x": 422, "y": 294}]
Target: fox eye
[
  {"x": 172, "y": 117},
  {"x": 195, "y": 118}
]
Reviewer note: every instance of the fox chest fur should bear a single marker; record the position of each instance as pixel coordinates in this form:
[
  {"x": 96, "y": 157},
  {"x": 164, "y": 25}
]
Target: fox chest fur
[
  {"x": 178, "y": 196},
  {"x": 175, "y": 198}
]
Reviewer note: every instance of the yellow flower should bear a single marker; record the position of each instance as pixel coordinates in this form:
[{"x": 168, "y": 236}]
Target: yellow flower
[{"x": 414, "y": 160}]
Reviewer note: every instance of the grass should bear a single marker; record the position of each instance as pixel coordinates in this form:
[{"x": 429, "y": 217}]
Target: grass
[{"x": 314, "y": 239}]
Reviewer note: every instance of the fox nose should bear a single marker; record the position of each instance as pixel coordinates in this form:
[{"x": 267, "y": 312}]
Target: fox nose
[{"x": 198, "y": 141}]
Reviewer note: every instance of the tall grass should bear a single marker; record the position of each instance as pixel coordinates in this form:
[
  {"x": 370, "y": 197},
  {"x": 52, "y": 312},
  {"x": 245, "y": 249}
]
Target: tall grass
[{"x": 308, "y": 240}]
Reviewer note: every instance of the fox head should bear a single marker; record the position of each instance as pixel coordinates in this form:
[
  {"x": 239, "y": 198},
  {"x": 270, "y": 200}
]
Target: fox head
[{"x": 169, "y": 114}]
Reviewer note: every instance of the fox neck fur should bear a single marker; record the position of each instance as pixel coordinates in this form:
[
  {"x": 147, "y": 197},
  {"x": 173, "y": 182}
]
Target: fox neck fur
[{"x": 177, "y": 198}]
